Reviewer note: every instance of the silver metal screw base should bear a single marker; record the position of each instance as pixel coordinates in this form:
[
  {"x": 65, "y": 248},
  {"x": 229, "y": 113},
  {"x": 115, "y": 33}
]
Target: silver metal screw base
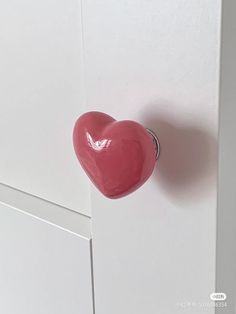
[{"x": 156, "y": 142}]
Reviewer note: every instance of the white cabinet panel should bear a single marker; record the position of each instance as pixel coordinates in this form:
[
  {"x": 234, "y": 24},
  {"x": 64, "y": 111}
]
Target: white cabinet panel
[
  {"x": 226, "y": 215},
  {"x": 43, "y": 269},
  {"x": 41, "y": 97},
  {"x": 158, "y": 62}
]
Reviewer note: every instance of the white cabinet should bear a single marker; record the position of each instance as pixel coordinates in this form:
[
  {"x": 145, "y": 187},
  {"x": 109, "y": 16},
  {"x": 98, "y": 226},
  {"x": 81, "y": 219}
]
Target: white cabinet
[
  {"x": 44, "y": 269},
  {"x": 167, "y": 64},
  {"x": 41, "y": 97}
]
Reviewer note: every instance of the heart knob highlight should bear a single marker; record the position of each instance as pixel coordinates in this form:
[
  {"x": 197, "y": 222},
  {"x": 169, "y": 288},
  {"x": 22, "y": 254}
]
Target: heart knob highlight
[{"x": 118, "y": 156}]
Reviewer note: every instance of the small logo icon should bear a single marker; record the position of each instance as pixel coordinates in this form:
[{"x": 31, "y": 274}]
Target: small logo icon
[{"x": 218, "y": 296}]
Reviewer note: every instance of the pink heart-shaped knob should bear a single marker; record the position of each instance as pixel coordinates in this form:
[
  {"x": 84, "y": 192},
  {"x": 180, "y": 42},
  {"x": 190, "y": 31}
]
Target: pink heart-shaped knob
[{"x": 118, "y": 156}]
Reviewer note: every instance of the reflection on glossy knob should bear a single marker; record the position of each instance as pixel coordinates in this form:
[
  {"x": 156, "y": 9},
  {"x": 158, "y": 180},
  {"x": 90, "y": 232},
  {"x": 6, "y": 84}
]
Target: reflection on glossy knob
[{"x": 118, "y": 156}]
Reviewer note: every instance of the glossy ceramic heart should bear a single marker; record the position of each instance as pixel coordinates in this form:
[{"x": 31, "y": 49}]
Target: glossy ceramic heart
[{"x": 118, "y": 156}]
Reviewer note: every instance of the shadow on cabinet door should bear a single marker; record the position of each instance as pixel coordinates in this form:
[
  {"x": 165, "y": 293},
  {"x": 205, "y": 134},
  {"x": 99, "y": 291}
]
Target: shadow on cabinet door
[{"x": 187, "y": 166}]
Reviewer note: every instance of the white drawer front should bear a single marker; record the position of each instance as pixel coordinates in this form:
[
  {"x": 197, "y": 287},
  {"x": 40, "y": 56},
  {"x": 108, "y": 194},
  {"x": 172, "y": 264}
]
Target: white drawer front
[
  {"x": 41, "y": 97},
  {"x": 43, "y": 269}
]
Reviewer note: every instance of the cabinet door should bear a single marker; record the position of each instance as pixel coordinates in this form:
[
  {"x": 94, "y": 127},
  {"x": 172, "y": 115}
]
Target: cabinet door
[
  {"x": 43, "y": 268},
  {"x": 157, "y": 62},
  {"x": 41, "y": 97}
]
